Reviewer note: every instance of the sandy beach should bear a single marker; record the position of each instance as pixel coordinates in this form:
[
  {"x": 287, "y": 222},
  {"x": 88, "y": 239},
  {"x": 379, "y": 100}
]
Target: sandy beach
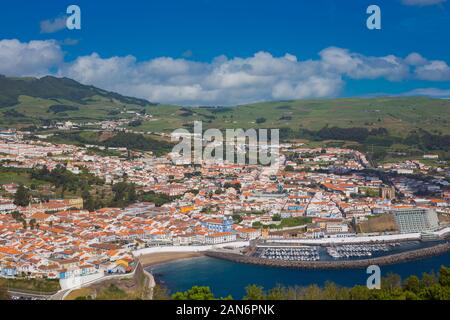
[{"x": 162, "y": 257}]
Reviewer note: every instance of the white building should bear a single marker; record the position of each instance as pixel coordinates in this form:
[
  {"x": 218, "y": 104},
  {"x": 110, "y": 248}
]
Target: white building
[
  {"x": 337, "y": 228},
  {"x": 7, "y": 206},
  {"x": 416, "y": 220},
  {"x": 220, "y": 237}
]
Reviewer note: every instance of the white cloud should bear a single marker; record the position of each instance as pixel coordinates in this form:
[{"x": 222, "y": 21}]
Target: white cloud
[
  {"x": 422, "y": 3},
  {"x": 415, "y": 59},
  {"x": 358, "y": 66},
  {"x": 222, "y": 81},
  {"x": 435, "y": 70},
  {"x": 430, "y": 92},
  {"x": 53, "y": 25},
  {"x": 35, "y": 58}
]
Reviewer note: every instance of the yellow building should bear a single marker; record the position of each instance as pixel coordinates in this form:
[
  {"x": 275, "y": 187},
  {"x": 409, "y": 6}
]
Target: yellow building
[{"x": 186, "y": 209}]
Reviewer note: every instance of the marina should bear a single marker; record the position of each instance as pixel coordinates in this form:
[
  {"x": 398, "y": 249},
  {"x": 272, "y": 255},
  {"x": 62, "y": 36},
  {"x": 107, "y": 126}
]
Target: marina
[
  {"x": 288, "y": 253},
  {"x": 291, "y": 252},
  {"x": 350, "y": 251},
  {"x": 234, "y": 276}
]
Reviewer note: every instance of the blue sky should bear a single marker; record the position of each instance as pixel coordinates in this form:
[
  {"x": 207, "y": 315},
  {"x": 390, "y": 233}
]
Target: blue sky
[{"x": 229, "y": 51}]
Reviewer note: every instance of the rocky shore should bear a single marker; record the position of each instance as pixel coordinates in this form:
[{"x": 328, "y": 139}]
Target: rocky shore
[{"x": 336, "y": 264}]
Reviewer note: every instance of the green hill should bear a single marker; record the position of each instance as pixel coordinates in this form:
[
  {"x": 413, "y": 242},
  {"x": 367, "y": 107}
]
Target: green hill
[
  {"x": 398, "y": 123},
  {"x": 49, "y": 87},
  {"x": 384, "y": 127},
  {"x": 398, "y": 115},
  {"x": 34, "y": 101}
]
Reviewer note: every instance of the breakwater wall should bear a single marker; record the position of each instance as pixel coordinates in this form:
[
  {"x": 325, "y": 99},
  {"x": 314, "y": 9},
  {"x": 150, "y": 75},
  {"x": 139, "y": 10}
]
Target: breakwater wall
[{"x": 336, "y": 264}]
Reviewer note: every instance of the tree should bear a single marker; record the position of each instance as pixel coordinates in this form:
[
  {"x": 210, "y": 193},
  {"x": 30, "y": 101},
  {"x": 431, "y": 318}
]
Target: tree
[
  {"x": 312, "y": 292},
  {"x": 289, "y": 168},
  {"x": 237, "y": 218},
  {"x": 88, "y": 201},
  {"x": 119, "y": 190},
  {"x": 195, "y": 293},
  {"x": 17, "y": 215},
  {"x": 135, "y": 123},
  {"x": 277, "y": 293},
  {"x": 132, "y": 197},
  {"x": 391, "y": 281},
  {"x": 428, "y": 279},
  {"x": 276, "y": 217},
  {"x": 412, "y": 284},
  {"x": 359, "y": 293},
  {"x": 256, "y": 224},
  {"x": 22, "y": 196},
  {"x": 444, "y": 276},
  {"x": 254, "y": 292},
  {"x": 261, "y": 120},
  {"x": 332, "y": 292}
]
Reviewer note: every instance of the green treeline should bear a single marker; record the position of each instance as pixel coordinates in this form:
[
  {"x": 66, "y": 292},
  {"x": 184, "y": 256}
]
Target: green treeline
[
  {"x": 378, "y": 137},
  {"x": 60, "y": 177},
  {"x": 430, "y": 286},
  {"x": 58, "y": 108},
  {"x": 132, "y": 141},
  {"x": 137, "y": 142},
  {"x": 157, "y": 198},
  {"x": 123, "y": 195}
]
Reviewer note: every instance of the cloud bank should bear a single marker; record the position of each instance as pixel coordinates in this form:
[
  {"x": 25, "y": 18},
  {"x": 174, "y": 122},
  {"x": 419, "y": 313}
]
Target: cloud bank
[
  {"x": 422, "y": 3},
  {"x": 429, "y": 92},
  {"x": 34, "y": 58},
  {"x": 222, "y": 81}
]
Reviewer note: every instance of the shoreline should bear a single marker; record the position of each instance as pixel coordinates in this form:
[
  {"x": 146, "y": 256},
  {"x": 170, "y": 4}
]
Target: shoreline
[
  {"x": 153, "y": 259},
  {"x": 396, "y": 258}
]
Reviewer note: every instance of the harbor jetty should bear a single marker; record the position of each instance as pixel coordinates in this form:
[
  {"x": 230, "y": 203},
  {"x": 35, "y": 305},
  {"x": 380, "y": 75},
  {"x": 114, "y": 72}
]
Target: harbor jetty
[{"x": 335, "y": 264}]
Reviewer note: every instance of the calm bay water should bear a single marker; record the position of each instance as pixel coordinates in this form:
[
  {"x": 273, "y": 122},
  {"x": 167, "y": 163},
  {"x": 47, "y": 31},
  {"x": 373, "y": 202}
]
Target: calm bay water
[{"x": 226, "y": 277}]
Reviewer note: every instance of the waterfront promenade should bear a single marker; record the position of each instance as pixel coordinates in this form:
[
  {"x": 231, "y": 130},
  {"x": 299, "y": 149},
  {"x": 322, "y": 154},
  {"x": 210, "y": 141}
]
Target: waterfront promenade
[{"x": 157, "y": 255}]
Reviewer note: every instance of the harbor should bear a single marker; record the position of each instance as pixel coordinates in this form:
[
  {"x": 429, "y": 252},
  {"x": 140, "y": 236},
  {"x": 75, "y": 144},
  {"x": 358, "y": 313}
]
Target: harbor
[
  {"x": 288, "y": 253},
  {"x": 285, "y": 260},
  {"x": 350, "y": 251},
  {"x": 234, "y": 277}
]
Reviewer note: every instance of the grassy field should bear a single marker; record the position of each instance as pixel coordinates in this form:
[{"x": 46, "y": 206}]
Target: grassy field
[
  {"x": 400, "y": 118},
  {"x": 16, "y": 177},
  {"x": 36, "y": 109},
  {"x": 290, "y": 223},
  {"x": 113, "y": 289},
  {"x": 42, "y": 286},
  {"x": 19, "y": 176},
  {"x": 381, "y": 223},
  {"x": 398, "y": 115}
]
